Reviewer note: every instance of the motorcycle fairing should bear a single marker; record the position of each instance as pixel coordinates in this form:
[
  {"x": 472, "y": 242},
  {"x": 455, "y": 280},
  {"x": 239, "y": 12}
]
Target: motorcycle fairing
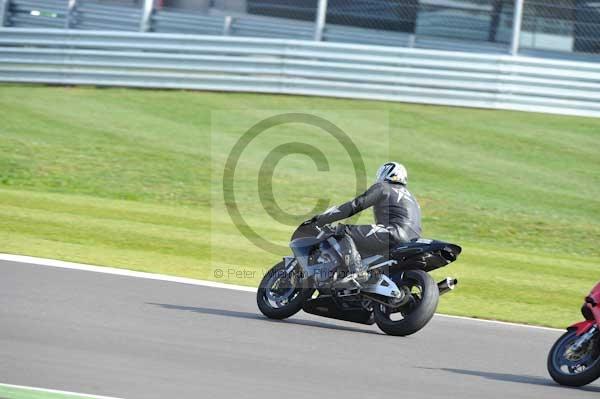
[
  {"x": 591, "y": 312},
  {"x": 325, "y": 306},
  {"x": 582, "y": 327},
  {"x": 424, "y": 254},
  {"x": 303, "y": 249},
  {"x": 421, "y": 254},
  {"x": 594, "y": 297}
]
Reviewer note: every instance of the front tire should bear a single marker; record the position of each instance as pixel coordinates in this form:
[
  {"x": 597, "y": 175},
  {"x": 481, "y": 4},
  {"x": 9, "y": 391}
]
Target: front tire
[
  {"x": 281, "y": 294},
  {"x": 415, "y": 314},
  {"x": 574, "y": 372}
]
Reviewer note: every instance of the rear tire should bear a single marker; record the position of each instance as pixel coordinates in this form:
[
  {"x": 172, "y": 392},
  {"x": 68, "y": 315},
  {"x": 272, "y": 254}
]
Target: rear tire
[
  {"x": 295, "y": 297},
  {"x": 590, "y": 374},
  {"x": 417, "y": 313}
]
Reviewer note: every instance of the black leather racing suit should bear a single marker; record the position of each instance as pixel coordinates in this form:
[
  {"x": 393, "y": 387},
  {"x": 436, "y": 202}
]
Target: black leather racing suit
[{"x": 397, "y": 218}]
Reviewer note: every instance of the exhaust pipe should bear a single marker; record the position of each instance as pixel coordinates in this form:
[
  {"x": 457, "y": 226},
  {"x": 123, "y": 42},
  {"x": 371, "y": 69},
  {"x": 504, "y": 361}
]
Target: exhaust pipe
[{"x": 447, "y": 285}]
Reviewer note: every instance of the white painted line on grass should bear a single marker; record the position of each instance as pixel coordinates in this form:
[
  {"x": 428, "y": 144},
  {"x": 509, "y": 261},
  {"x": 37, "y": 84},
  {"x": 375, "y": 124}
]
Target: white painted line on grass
[
  {"x": 183, "y": 280},
  {"x": 45, "y": 390}
]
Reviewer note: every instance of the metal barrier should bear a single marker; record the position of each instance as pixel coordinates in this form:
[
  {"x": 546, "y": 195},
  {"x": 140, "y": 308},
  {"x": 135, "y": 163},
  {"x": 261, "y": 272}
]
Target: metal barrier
[
  {"x": 93, "y": 16},
  {"x": 174, "y": 21},
  {"x": 225, "y": 63},
  {"x": 565, "y": 29}
]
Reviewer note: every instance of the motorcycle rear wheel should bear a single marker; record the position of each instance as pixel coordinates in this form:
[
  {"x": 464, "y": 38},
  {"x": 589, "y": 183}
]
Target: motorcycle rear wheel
[
  {"x": 280, "y": 294},
  {"x": 564, "y": 371},
  {"x": 417, "y": 313}
]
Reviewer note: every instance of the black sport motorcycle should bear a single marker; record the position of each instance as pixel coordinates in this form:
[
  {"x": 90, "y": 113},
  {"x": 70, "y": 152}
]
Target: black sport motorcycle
[{"x": 399, "y": 294}]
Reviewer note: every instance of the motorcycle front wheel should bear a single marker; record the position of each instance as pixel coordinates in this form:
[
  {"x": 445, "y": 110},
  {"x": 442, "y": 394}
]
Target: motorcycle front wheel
[
  {"x": 574, "y": 369},
  {"x": 416, "y": 313},
  {"x": 281, "y": 293}
]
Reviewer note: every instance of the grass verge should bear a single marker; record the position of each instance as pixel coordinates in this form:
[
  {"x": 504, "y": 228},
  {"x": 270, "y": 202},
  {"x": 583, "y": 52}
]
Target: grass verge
[{"x": 131, "y": 178}]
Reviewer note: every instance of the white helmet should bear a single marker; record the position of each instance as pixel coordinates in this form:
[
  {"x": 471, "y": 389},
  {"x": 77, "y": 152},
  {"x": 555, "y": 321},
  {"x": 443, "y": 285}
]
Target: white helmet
[{"x": 392, "y": 172}]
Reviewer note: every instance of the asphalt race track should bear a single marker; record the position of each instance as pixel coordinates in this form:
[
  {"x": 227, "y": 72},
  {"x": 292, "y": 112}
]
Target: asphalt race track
[{"x": 136, "y": 338}]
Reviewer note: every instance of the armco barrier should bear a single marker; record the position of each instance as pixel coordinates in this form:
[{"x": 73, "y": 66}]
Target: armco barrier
[{"x": 223, "y": 63}]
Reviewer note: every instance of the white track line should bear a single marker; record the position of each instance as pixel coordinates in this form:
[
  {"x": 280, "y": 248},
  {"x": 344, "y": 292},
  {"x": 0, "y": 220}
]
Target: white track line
[
  {"x": 497, "y": 322},
  {"x": 183, "y": 280},
  {"x": 84, "y": 395},
  {"x": 120, "y": 272}
]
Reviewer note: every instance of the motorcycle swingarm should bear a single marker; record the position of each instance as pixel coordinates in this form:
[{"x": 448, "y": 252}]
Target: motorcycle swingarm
[{"x": 383, "y": 286}]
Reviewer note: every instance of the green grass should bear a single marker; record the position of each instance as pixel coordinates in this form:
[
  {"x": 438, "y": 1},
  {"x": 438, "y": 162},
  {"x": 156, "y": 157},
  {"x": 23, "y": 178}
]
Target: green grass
[
  {"x": 132, "y": 178},
  {"x": 17, "y": 392}
]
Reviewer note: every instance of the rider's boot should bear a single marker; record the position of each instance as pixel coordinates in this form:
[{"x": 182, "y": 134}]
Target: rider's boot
[{"x": 352, "y": 259}]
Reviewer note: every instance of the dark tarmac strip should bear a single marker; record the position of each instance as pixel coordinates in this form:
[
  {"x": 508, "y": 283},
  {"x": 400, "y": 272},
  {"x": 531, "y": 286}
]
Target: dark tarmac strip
[{"x": 131, "y": 337}]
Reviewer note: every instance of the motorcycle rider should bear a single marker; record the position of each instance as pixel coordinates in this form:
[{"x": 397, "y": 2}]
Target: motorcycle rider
[{"x": 397, "y": 219}]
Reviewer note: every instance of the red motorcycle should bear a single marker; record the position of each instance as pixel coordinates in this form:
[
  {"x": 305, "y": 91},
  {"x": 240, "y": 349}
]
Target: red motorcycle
[{"x": 574, "y": 360}]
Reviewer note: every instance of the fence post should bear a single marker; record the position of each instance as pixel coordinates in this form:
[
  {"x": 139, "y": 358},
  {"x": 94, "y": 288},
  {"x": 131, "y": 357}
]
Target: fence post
[
  {"x": 69, "y": 16},
  {"x": 4, "y": 5},
  {"x": 516, "y": 30},
  {"x": 320, "y": 19},
  {"x": 147, "y": 8},
  {"x": 227, "y": 23}
]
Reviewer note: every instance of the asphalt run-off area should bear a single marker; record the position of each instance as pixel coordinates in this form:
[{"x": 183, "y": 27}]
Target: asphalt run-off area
[{"x": 131, "y": 337}]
